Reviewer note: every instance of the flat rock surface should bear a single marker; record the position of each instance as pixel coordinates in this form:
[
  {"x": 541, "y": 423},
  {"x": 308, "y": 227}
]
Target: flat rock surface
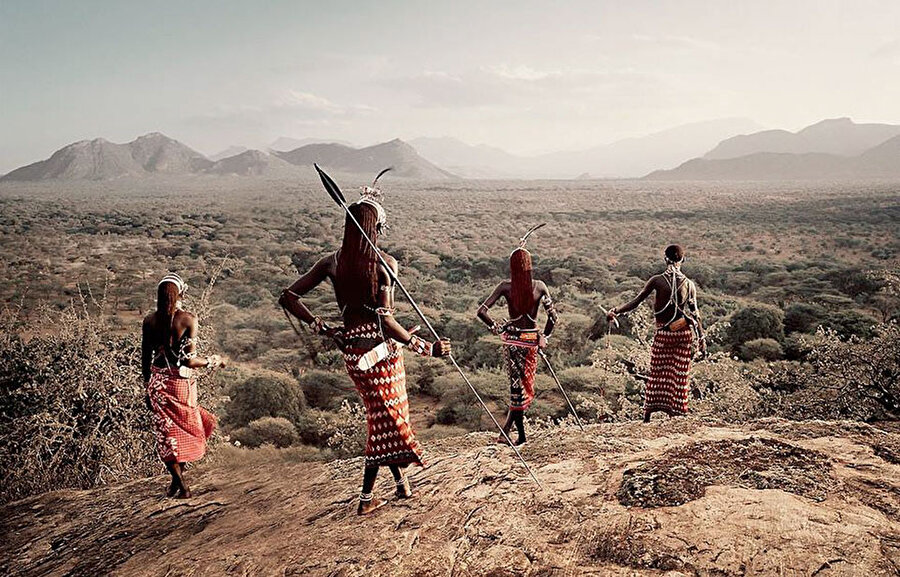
[{"x": 680, "y": 497}]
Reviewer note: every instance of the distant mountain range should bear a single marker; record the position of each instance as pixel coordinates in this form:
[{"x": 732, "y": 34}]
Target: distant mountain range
[
  {"x": 630, "y": 157},
  {"x": 100, "y": 159},
  {"x": 156, "y": 153},
  {"x": 369, "y": 160},
  {"x": 836, "y": 149},
  {"x": 839, "y": 136},
  {"x": 230, "y": 151},
  {"x": 286, "y": 143},
  {"x": 830, "y": 149}
]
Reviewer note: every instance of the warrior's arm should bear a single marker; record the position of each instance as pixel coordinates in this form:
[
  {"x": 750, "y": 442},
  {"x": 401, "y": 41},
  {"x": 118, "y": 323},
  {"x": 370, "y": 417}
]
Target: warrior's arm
[
  {"x": 146, "y": 351},
  {"x": 550, "y": 309},
  {"x": 630, "y": 306},
  {"x": 392, "y": 328},
  {"x": 187, "y": 355},
  {"x": 695, "y": 311},
  {"x": 290, "y": 297},
  {"x": 483, "y": 311}
]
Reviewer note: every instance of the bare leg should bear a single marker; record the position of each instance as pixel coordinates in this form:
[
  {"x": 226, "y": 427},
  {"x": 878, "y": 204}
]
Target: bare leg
[
  {"x": 647, "y": 416},
  {"x": 368, "y": 503},
  {"x": 520, "y": 426},
  {"x": 507, "y": 426},
  {"x": 181, "y": 490},
  {"x": 176, "y": 483},
  {"x": 404, "y": 490}
]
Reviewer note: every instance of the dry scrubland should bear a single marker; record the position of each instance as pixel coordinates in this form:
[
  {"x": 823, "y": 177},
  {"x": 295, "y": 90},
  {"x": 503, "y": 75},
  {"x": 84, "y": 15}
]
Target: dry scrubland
[{"x": 799, "y": 286}]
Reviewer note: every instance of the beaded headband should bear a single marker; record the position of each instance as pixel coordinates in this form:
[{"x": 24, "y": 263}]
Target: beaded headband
[
  {"x": 174, "y": 279},
  {"x": 373, "y": 196}
]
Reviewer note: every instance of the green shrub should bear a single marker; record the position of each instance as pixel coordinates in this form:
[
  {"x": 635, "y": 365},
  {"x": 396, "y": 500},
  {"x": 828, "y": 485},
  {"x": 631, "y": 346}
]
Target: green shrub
[
  {"x": 265, "y": 394},
  {"x": 756, "y": 321},
  {"x": 765, "y": 349},
  {"x": 276, "y": 431},
  {"x": 850, "y": 323},
  {"x": 803, "y": 317},
  {"x": 326, "y": 389}
]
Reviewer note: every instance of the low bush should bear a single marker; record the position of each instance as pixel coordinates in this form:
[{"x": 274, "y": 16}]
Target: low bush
[
  {"x": 765, "y": 349},
  {"x": 275, "y": 431},
  {"x": 265, "y": 394}
]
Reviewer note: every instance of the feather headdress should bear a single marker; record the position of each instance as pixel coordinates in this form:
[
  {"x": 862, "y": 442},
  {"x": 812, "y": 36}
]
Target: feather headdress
[{"x": 373, "y": 196}]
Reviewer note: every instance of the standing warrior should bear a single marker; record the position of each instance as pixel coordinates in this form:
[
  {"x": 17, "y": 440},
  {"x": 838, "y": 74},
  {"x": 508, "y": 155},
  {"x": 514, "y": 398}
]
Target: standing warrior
[
  {"x": 677, "y": 316},
  {"x": 168, "y": 360},
  {"x": 521, "y": 337},
  {"x": 371, "y": 342}
]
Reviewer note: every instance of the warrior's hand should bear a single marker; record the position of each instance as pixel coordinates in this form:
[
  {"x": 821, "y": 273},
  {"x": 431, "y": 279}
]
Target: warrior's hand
[
  {"x": 336, "y": 334},
  {"x": 441, "y": 348},
  {"x": 702, "y": 347},
  {"x": 511, "y": 329},
  {"x": 611, "y": 315},
  {"x": 214, "y": 361},
  {"x": 542, "y": 341}
]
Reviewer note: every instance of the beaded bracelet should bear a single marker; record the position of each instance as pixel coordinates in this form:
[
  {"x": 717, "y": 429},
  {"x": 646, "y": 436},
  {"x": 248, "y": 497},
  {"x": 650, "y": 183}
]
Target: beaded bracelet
[
  {"x": 420, "y": 346},
  {"x": 318, "y": 325}
]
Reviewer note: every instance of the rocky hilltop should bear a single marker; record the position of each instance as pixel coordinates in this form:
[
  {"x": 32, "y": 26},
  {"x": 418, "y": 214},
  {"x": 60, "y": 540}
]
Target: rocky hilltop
[{"x": 683, "y": 497}]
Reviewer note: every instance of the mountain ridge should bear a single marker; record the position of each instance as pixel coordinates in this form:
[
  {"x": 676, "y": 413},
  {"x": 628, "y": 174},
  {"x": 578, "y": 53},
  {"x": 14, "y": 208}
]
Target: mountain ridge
[
  {"x": 838, "y": 136},
  {"x": 879, "y": 162},
  {"x": 100, "y": 159},
  {"x": 405, "y": 160},
  {"x": 157, "y": 154}
]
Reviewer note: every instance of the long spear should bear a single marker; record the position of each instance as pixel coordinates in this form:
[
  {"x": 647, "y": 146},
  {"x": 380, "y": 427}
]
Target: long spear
[
  {"x": 559, "y": 384},
  {"x": 335, "y": 193}
]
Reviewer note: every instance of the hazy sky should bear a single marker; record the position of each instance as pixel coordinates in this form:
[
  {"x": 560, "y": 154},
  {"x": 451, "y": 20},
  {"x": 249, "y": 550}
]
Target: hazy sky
[{"x": 525, "y": 76}]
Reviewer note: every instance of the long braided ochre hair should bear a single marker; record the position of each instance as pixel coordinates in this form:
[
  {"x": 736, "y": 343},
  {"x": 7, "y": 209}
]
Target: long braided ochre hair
[
  {"x": 357, "y": 267},
  {"x": 522, "y": 289}
]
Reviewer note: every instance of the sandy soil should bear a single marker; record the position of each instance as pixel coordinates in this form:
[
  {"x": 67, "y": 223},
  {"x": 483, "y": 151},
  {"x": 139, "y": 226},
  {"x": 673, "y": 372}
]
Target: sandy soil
[{"x": 679, "y": 497}]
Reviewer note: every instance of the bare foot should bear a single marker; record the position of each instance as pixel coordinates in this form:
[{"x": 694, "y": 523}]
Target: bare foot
[
  {"x": 501, "y": 440},
  {"x": 173, "y": 488},
  {"x": 369, "y": 507},
  {"x": 404, "y": 491},
  {"x": 183, "y": 493},
  {"x": 520, "y": 441}
]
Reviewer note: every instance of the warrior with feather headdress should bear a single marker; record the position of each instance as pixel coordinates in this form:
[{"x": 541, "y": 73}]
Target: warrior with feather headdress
[
  {"x": 520, "y": 334},
  {"x": 371, "y": 341}
]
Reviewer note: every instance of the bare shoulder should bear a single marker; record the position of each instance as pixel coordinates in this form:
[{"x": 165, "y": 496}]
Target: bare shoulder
[
  {"x": 328, "y": 263},
  {"x": 541, "y": 286},
  {"x": 392, "y": 262},
  {"x": 185, "y": 319}
]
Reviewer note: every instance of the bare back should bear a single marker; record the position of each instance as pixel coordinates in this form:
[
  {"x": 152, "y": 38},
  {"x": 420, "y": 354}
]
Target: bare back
[
  {"x": 326, "y": 268},
  {"x": 162, "y": 340},
  {"x": 520, "y": 319}
]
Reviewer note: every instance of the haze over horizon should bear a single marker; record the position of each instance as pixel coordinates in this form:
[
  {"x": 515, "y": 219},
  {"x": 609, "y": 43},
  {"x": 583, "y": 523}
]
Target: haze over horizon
[{"x": 527, "y": 77}]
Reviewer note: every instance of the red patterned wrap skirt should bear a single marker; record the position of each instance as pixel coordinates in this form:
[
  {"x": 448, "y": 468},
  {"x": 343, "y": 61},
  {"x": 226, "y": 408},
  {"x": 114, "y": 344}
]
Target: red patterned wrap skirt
[
  {"x": 180, "y": 424},
  {"x": 521, "y": 365},
  {"x": 390, "y": 439},
  {"x": 670, "y": 366}
]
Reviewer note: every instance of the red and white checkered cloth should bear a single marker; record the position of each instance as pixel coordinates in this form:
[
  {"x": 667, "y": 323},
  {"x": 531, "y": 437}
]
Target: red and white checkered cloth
[{"x": 181, "y": 425}]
